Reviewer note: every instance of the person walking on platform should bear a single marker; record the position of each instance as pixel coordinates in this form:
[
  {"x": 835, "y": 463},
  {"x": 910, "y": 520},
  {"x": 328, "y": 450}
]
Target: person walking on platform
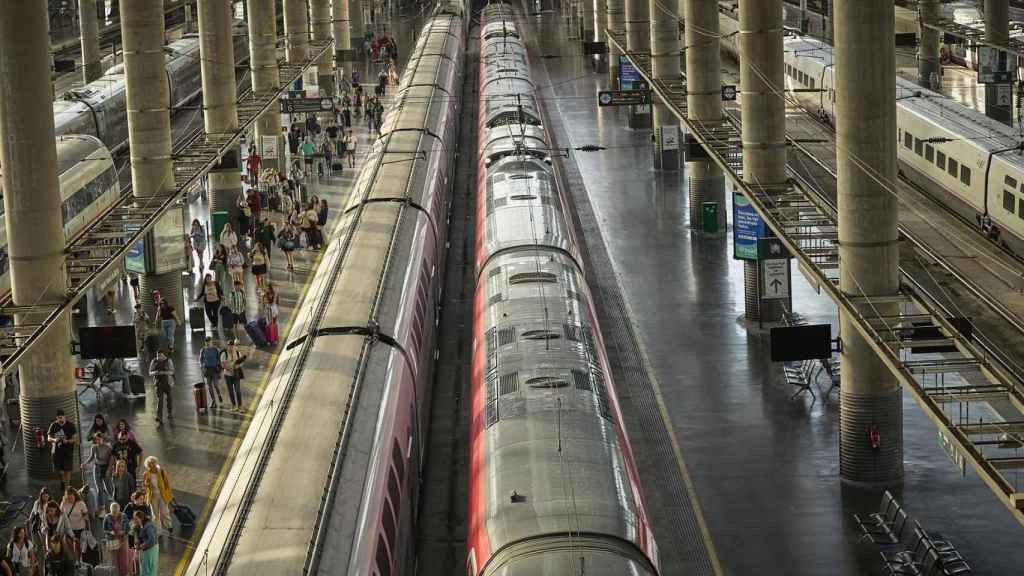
[
  {"x": 238, "y": 305},
  {"x": 350, "y": 149},
  {"x": 77, "y": 514},
  {"x": 288, "y": 240},
  {"x": 198, "y": 235},
  {"x": 146, "y": 544},
  {"x": 228, "y": 238},
  {"x": 211, "y": 295},
  {"x": 115, "y": 529},
  {"x": 127, "y": 448},
  {"x": 168, "y": 323},
  {"x": 236, "y": 264},
  {"x": 209, "y": 361},
  {"x": 99, "y": 457},
  {"x": 232, "y": 359},
  {"x": 158, "y": 493},
  {"x": 141, "y": 322},
  {"x": 62, "y": 436},
  {"x": 162, "y": 370},
  {"x": 260, "y": 265},
  {"x": 219, "y": 264},
  {"x": 266, "y": 236},
  {"x": 252, "y": 164},
  {"x": 122, "y": 483}
]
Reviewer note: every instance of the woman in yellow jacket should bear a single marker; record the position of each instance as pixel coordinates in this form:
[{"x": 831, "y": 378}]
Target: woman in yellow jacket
[{"x": 158, "y": 493}]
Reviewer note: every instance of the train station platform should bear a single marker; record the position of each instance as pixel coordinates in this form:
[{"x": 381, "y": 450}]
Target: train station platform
[
  {"x": 197, "y": 449},
  {"x": 739, "y": 478}
]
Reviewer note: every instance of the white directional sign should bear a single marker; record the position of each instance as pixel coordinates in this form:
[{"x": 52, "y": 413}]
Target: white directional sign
[{"x": 775, "y": 279}]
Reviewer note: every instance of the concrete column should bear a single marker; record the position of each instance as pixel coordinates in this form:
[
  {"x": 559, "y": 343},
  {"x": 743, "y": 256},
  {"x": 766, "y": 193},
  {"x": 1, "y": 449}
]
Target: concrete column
[
  {"x": 868, "y": 237},
  {"x": 341, "y": 28},
  {"x": 588, "y": 20},
  {"x": 89, "y": 28},
  {"x": 149, "y": 125},
  {"x": 704, "y": 102},
  {"x": 666, "y": 64},
  {"x": 265, "y": 78},
  {"x": 35, "y": 230},
  {"x": 929, "y": 67},
  {"x": 296, "y": 31},
  {"x": 617, "y": 24},
  {"x": 220, "y": 113},
  {"x": 358, "y": 28},
  {"x": 762, "y": 79},
  {"x": 997, "y": 31},
  {"x": 190, "y": 18},
  {"x": 320, "y": 12},
  {"x": 638, "y": 41}
]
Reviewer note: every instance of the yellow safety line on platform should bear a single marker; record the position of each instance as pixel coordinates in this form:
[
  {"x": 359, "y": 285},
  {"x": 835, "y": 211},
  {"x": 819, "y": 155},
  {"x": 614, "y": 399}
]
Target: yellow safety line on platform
[{"x": 222, "y": 475}]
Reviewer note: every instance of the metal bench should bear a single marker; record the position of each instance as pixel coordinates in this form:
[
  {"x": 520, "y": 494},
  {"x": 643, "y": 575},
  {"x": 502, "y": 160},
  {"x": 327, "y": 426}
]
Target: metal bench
[
  {"x": 879, "y": 524},
  {"x": 830, "y": 367},
  {"x": 799, "y": 374},
  {"x": 920, "y": 555}
]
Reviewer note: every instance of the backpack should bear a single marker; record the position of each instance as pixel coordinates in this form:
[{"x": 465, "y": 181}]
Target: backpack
[{"x": 209, "y": 359}]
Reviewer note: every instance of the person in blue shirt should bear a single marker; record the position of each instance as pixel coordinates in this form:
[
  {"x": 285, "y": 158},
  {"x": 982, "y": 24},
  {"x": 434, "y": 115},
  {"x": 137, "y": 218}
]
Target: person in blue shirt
[
  {"x": 209, "y": 361},
  {"x": 146, "y": 544}
]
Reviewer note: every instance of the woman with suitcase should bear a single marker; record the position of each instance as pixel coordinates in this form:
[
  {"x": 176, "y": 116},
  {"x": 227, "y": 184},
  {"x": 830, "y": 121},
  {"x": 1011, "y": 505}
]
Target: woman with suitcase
[
  {"x": 115, "y": 530},
  {"x": 232, "y": 359},
  {"x": 158, "y": 493}
]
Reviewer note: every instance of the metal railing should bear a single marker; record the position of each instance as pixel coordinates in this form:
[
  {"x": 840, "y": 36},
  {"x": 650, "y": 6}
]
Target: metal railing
[
  {"x": 98, "y": 250},
  {"x": 807, "y": 225}
]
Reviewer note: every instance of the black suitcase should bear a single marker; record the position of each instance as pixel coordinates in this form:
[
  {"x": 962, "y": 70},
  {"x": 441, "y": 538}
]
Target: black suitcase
[
  {"x": 197, "y": 319},
  {"x": 227, "y": 317},
  {"x": 256, "y": 335},
  {"x": 137, "y": 384},
  {"x": 185, "y": 516}
]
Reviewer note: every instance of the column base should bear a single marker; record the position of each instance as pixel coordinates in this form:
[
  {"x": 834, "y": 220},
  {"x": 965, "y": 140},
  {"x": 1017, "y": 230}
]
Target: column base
[
  {"x": 37, "y": 413},
  {"x": 860, "y": 414},
  {"x": 705, "y": 184},
  {"x": 170, "y": 286},
  {"x": 639, "y": 120}
]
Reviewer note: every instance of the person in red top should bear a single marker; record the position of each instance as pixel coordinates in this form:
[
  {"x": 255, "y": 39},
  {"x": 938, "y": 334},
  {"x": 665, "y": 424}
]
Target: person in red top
[
  {"x": 252, "y": 164},
  {"x": 253, "y": 199}
]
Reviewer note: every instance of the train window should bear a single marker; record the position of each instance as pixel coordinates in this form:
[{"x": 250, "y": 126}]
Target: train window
[
  {"x": 908, "y": 140},
  {"x": 541, "y": 335},
  {"x": 953, "y": 168},
  {"x": 602, "y": 394},
  {"x": 580, "y": 379},
  {"x": 929, "y": 153},
  {"x": 572, "y": 332},
  {"x": 940, "y": 159},
  {"x": 527, "y": 277},
  {"x": 965, "y": 175},
  {"x": 383, "y": 559},
  {"x": 491, "y": 404},
  {"x": 546, "y": 382},
  {"x": 1010, "y": 182},
  {"x": 918, "y": 146},
  {"x": 811, "y": 81},
  {"x": 506, "y": 336},
  {"x": 1020, "y": 207},
  {"x": 389, "y": 519},
  {"x": 1010, "y": 202}
]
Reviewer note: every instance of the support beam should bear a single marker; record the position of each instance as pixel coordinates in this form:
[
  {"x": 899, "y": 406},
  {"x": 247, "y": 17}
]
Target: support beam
[
  {"x": 341, "y": 28},
  {"x": 358, "y": 27},
  {"x": 265, "y": 76},
  {"x": 32, "y": 214},
  {"x": 320, "y": 12},
  {"x": 929, "y": 67},
  {"x": 617, "y": 25},
  {"x": 638, "y": 41},
  {"x": 149, "y": 133},
  {"x": 296, "y": 31},
  {"x": 704, "y": 102},
  {"x": 89, "y": 29},
  {"x": 868, "y": 236},
  {"x": 220, "y": 112},
  {"x": 587, "y": 27},
  {"x": 998, "y": 97},
  {"x": 666, "y": 64},
  {"x": 762, "y": 81}
]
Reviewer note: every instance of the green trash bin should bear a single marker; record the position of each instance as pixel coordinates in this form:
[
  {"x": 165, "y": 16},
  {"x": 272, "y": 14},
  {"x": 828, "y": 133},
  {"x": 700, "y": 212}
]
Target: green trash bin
[
  {"x": 709, "y": 217},
  {"x": 219, "y": 220}
]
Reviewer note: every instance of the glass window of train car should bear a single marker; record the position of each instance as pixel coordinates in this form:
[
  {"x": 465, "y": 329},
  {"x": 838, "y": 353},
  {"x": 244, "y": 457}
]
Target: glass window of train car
[
  {"x": 1010, "y": 202},
  {"x": 965, "y": 175},
  {"x": 953, "y": 168},
  {"x": 908, "y": 140},
  {"x": 811, "y": 80},
  {"x": 1010, "y": 182},
  {"x": 940, "y": 159},
  {"x": 1020, "y": 214},
  {"x": 919, "y": 146},
  {"x": 929, "y": 153}
]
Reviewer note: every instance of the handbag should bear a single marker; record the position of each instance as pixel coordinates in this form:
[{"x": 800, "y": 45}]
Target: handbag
[{"x": 113, "y": 544}]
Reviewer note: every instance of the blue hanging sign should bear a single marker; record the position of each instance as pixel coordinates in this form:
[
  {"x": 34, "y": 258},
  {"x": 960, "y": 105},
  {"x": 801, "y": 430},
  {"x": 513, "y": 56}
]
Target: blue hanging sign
[{"x": 747, "y": 228}]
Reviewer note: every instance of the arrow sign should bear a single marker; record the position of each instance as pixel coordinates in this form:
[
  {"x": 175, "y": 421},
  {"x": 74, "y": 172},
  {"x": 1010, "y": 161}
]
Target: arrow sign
[
  {"x": 623, "y": 97},
  {"x": 775, "y": 279}
]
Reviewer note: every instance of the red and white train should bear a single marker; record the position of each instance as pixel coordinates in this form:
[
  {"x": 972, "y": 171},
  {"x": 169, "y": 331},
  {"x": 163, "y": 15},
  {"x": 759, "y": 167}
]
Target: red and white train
[{"x": 553, "y": 486}]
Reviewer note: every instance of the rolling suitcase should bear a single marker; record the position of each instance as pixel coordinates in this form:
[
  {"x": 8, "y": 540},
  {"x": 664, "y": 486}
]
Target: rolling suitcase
[
  {"x": 227, "y": 317},
  {"x": 185, "y": 516},
  {"x": 272, "y": 333},
  {"x": 137, "y": 385},
  {"x": 199, "y": 395},
  {"x": 256, "y": 335},
  {"x": 197, "y": 319}
]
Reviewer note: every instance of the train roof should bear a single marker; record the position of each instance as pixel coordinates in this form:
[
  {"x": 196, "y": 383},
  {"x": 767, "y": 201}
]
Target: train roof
[{"x": 73, "y": 149}]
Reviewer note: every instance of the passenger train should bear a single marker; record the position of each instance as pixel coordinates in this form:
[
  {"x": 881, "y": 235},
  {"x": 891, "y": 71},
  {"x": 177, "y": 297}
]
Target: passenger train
[
  {"x": 91, "y": 121},
  {"x": 326, "y": 479},
  {"x": 971, "y": 163},
  {"x": 553, "y": 486}
]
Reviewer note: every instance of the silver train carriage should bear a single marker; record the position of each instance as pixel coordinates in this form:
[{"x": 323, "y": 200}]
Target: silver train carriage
[
  {"x": 326, "y": 479},
  {"x": 88, "y": 187},
  {"x": 99, "y": 108},
  {"x": 553, "y": 487}
]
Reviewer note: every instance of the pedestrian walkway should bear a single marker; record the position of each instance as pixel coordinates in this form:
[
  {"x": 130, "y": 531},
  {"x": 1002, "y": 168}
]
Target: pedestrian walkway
[{"x": 194, "y": 448}]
